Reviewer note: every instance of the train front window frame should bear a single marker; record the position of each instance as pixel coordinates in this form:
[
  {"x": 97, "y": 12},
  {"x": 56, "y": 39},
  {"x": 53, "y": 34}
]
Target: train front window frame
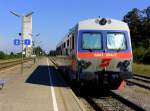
[
  {"x": 116, "y": 41},
  {"x": 92, "y": 41}
]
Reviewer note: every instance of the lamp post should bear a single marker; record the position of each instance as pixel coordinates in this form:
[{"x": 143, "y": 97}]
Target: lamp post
[
  {"x": 39, "y": 48},
  {"x": 33, "y": 45},
  {"x": 22, "y": 34}
]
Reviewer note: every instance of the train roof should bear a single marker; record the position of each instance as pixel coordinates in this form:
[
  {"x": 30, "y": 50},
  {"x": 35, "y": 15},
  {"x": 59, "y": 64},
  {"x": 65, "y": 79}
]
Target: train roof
[
  {"x": 95, "y": 24},
  {"x": 111, "y": 24}
]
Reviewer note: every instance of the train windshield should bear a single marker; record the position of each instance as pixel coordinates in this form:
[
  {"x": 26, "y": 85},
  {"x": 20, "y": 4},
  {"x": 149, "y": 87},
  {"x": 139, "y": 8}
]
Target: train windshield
[
  {"x": 116, "y": 41},
  {"x": 91, "y": 40}
]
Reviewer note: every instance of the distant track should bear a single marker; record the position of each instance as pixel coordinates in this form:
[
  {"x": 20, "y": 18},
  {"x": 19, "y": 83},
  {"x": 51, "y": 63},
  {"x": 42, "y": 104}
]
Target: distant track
[
  {"x": 4, "y": 65},
  {"x": 138, "y": 75},
  {"x": 138, "y": 84},
  {"x": 141, "y": 81}
]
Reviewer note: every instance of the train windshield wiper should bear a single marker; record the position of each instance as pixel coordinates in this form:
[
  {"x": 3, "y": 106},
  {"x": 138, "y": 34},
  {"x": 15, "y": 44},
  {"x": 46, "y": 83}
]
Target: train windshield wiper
[
  {"x": 119, "y": 49},
  {"x": 90, "y": 50}
]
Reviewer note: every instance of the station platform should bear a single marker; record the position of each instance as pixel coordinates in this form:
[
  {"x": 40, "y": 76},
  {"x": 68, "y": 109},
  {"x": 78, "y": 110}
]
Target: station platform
[{"x": 39, "y": 88}]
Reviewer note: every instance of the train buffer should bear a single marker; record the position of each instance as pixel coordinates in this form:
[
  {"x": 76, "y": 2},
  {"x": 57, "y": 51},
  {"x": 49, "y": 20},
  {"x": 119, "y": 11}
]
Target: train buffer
[{"x": 2, "y": 82}]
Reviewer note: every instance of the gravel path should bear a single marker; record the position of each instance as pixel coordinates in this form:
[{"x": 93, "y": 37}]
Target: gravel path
[{"x": 111, "y": 104}]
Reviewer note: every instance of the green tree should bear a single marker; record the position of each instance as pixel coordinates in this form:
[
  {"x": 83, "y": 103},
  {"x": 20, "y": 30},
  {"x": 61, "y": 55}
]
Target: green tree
[
  {"x": 2, "y": 55},
  {"x": 39, "y": 51},
  {"x": 147, "y": 11},
  {"x": 133, "y": 18},
  {"x": 145, "y": 30},
  {"x": 139, "y": 24}
]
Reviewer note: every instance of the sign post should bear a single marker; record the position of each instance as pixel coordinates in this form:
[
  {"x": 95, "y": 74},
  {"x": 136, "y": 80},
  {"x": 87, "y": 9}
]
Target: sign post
[
  {"x": 27, "y": 42},
  {"x": 23, "y": 17},
  {"x": 22, "y": 42},
  {"x": 16, "y": 42}
]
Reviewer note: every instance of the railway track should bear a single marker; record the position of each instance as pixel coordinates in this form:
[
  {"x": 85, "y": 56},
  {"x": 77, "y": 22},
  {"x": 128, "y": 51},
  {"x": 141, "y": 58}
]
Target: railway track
[
  {"x": 54, "y": 62},
  {"x": 138, "y": 75},
  {"x": 5, "y": 65},
  {"x": 106, "y": 101},
  {"x": 145, "y": 79},
  {"x": 141, "y": 81}
]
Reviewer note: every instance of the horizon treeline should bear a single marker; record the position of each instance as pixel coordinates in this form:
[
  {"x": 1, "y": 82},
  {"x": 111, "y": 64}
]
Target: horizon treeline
[{"x": 36, "y": 51}]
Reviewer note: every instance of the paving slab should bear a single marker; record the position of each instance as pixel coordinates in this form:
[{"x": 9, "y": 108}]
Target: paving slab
[
  {"x": 32, "y": 90},
  {"x": 19, "y": 95}
]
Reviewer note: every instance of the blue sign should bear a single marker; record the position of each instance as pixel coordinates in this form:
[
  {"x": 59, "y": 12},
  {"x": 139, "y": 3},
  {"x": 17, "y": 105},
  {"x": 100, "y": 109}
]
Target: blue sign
[
  {"x": 27, "y": 42},
  {"x": 16, "y": 42}
]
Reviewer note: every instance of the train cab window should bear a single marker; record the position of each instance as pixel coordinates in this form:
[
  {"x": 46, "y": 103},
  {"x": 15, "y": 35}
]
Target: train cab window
[
  {"x": 116, "y": 41},
  {"x": 91, "y": 40}
]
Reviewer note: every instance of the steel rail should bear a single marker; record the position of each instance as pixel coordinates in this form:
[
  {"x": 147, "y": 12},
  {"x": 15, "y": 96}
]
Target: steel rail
[
  {"x": 138, "y": 84},
  {"x": 141, "y": 79},
  {"x": 139, "y": 75}
]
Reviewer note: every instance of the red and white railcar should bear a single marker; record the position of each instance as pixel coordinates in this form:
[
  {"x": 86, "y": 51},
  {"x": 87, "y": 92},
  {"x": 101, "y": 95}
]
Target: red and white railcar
[{"x": 97, "y": 50}]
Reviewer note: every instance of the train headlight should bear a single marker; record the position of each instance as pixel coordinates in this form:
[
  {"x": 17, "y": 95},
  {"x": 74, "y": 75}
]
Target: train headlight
[
  {"x": 85, "y": 64},
  {"x": 103, "y": 21},
  {"x": 126, "y": 63}
]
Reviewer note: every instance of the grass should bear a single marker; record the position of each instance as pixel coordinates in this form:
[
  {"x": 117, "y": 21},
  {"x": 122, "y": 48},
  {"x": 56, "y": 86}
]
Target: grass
[{"x": 141, "y": 69}]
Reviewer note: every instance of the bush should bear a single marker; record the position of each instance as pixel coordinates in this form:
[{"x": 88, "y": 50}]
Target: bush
[
  {"x": 9, "y": 56},
  {"x": 146, "y": 57},
  {"x": 138, "y": 54},
  {"x": 2, "y": 55}
]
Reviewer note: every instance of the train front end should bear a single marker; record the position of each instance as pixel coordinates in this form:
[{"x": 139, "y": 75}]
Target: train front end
[{"x": 104, "y": 52}]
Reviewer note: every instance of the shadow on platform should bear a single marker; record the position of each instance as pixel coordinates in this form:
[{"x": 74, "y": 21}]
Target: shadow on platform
[{"x": 41, "y": 76}]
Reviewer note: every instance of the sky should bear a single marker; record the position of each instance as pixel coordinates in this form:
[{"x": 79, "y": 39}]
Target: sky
[{"x": 53, "y": 18}]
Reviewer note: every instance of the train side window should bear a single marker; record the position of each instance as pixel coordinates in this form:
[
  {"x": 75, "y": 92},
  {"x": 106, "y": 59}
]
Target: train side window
[
  {"x": 68, "y": 43},
  {"x": 72, "y": 42},
  {"x": 64, "y": 45}
]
